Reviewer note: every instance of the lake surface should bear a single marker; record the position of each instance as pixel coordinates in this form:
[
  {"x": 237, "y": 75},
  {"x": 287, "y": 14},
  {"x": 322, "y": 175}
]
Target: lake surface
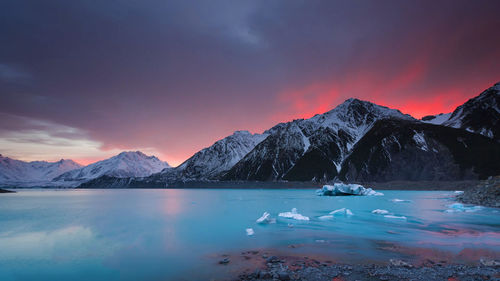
[{"x": 179, "y": 234}]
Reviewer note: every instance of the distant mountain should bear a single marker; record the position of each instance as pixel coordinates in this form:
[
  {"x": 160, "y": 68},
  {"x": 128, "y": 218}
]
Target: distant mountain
[
  {"x": 210, "y": 162},
  {"x": 123, "y": 165},
  {"x": 17, "y": 172},
  {"x": 311, "y": 149},
  {"x": 480, "y": 114},
  {"x": 405, "y": 150}
]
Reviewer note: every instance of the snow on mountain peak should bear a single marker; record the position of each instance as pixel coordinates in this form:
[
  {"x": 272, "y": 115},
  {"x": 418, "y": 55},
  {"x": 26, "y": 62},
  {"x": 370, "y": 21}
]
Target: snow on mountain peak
[
  {"x": 219, "y": 157},
  {"x": 20, "y": 173},
  {"x": 125, "y": 164}
]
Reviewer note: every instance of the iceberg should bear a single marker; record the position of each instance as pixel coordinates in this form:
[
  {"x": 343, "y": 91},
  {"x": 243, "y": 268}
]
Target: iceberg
[
  {"x": 342, "y": 212},
  {"x": 294, "y": 215},
  {"x": 266, "y": 218},
  {"x": 395, "y": 217},
  {"x": 340, "y": 189},
  {"x": 459, "y": 207},
  {"x": 250, "y": 231},
  {"x": 380, "y": 212},
  {"x": 458, "y": 192}
]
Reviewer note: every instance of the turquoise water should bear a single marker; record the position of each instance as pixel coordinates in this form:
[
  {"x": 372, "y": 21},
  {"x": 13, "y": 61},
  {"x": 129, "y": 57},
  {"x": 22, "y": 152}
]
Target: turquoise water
[{"x": 179, "y": 234}]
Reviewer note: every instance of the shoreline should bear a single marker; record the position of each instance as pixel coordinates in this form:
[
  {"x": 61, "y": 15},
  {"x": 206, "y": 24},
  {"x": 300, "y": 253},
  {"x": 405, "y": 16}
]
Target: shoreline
[
  {"x": 393, "y": 185},
  {"x": 256, "y": 265}
]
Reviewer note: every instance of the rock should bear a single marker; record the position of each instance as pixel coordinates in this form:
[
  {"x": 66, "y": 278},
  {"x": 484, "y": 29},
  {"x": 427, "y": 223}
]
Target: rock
[
  {"x": 485, "y": 194},
  {"x": 283, "y": 276},
  {"x": 490, "y": 263},
  {"x": 272, "y": 259},
  {"x": 396, "y": 262},
  {"x": 264, "y": 275},
  {"x": 224, "y": 261}
]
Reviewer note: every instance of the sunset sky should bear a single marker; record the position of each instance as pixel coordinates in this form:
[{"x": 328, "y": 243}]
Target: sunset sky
[{"x": 87, "y": 79}]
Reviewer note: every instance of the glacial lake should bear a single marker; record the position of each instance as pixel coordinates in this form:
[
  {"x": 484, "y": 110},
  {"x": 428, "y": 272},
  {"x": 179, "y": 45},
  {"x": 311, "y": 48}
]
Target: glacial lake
[{"x": 180, "y": 234}]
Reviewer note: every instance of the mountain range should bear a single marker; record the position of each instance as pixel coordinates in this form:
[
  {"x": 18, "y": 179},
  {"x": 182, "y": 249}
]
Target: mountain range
[
  {"x": 356, "y": 141},
  {"x": 68, "y": 173}
]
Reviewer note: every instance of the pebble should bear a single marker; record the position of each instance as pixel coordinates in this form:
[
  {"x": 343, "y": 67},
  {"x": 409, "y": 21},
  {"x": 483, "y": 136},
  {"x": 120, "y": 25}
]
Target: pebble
[{"x": 224, "y": 261}]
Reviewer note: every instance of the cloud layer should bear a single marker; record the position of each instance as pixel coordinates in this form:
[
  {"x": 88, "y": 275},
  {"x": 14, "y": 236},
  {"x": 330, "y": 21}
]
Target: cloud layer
[{"x": 175, "y": 76}]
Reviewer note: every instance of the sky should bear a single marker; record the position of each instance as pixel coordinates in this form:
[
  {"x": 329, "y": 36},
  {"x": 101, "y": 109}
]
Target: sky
[{"x": 86, "y": 79}]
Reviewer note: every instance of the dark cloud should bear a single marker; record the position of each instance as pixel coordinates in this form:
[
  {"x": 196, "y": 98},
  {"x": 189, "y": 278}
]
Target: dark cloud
[{"x": 177, "y": 75}]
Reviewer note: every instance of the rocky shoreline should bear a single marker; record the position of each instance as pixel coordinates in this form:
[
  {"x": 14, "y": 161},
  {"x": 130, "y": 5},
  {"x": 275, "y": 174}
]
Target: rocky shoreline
[
  {"x": 310, "y": 269},
  {"x": 486, "y": 193},
  {"x": 6, "y": 191}
]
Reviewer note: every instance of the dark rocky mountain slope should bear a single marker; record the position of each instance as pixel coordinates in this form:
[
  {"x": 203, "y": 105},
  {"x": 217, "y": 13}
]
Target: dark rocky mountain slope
[{"x": 405, "y": 150}]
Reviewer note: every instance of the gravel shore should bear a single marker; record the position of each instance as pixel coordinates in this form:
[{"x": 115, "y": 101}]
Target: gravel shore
[
  {"x": 486, "y": 193},
  {"x": 309, "y": 269}
]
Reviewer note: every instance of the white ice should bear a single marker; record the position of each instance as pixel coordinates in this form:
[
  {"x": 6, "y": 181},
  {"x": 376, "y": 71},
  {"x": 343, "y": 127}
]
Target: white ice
[
  {"x": 340, "y": 189},
  {"x": 395, "y": 217},
  {"x": 293, "y": 215},
  {"x": 342, "y": 212},
  {"x": 266, "y": 218},
  {"x": 396, "y": 200},
  {"x": 325, "y": 218},
  {"x": 380, "y": 212},
  {"x": 459, "y": 207},
  {"x": 250, "y": 231}
]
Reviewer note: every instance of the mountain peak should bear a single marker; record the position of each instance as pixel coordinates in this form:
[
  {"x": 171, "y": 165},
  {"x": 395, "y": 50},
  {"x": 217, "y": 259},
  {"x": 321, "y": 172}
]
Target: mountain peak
[{"x": 137, "y": 152}]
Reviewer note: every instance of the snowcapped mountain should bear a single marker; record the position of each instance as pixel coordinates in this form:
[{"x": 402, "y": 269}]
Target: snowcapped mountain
[
  {"x": 125, "y": 164},
  {"x": 21, "y": 173},
  {"x": 209, "y": 162},
  {"x": 480, "y": 114},
  {"x": 356, "y": 141},
  {"x": 323, "y": 142}
]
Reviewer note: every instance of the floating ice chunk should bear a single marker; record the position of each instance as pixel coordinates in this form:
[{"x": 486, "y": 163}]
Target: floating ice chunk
[
  {"x": 396, "y": 200},
  {"x": 380, "y": 212},
  {"x": 294, "y": 215},
  {"x": 342, "y": 212},
  {"x": 325, "y": 218},
  {"x": 459, "y": 207},
  {"x": 266, "y": 218},
  {"x": 395, "y": 217},
  {"x": 250, "y": 231},
  {"x": 458, "y": 192},
  {"x": 340, "y": 189}
]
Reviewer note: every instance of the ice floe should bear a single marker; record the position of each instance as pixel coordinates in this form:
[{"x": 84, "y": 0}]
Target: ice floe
[
  {"x": 395, "y": 217},
  {"x": 266, "y": 218},
  {"x": 250, "y": 231},
  {"x": 396, "y": 200},
  {"x": 293, "y": 215},
  {"x": 340, "y": 189},
  {"x": 342, "y": 212},
  {"x": 458, "y": 192},
  {"x": 459, "y": 207},
  {"x": 325, "y": 218},
  {"x": 380, "y": 212}
]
